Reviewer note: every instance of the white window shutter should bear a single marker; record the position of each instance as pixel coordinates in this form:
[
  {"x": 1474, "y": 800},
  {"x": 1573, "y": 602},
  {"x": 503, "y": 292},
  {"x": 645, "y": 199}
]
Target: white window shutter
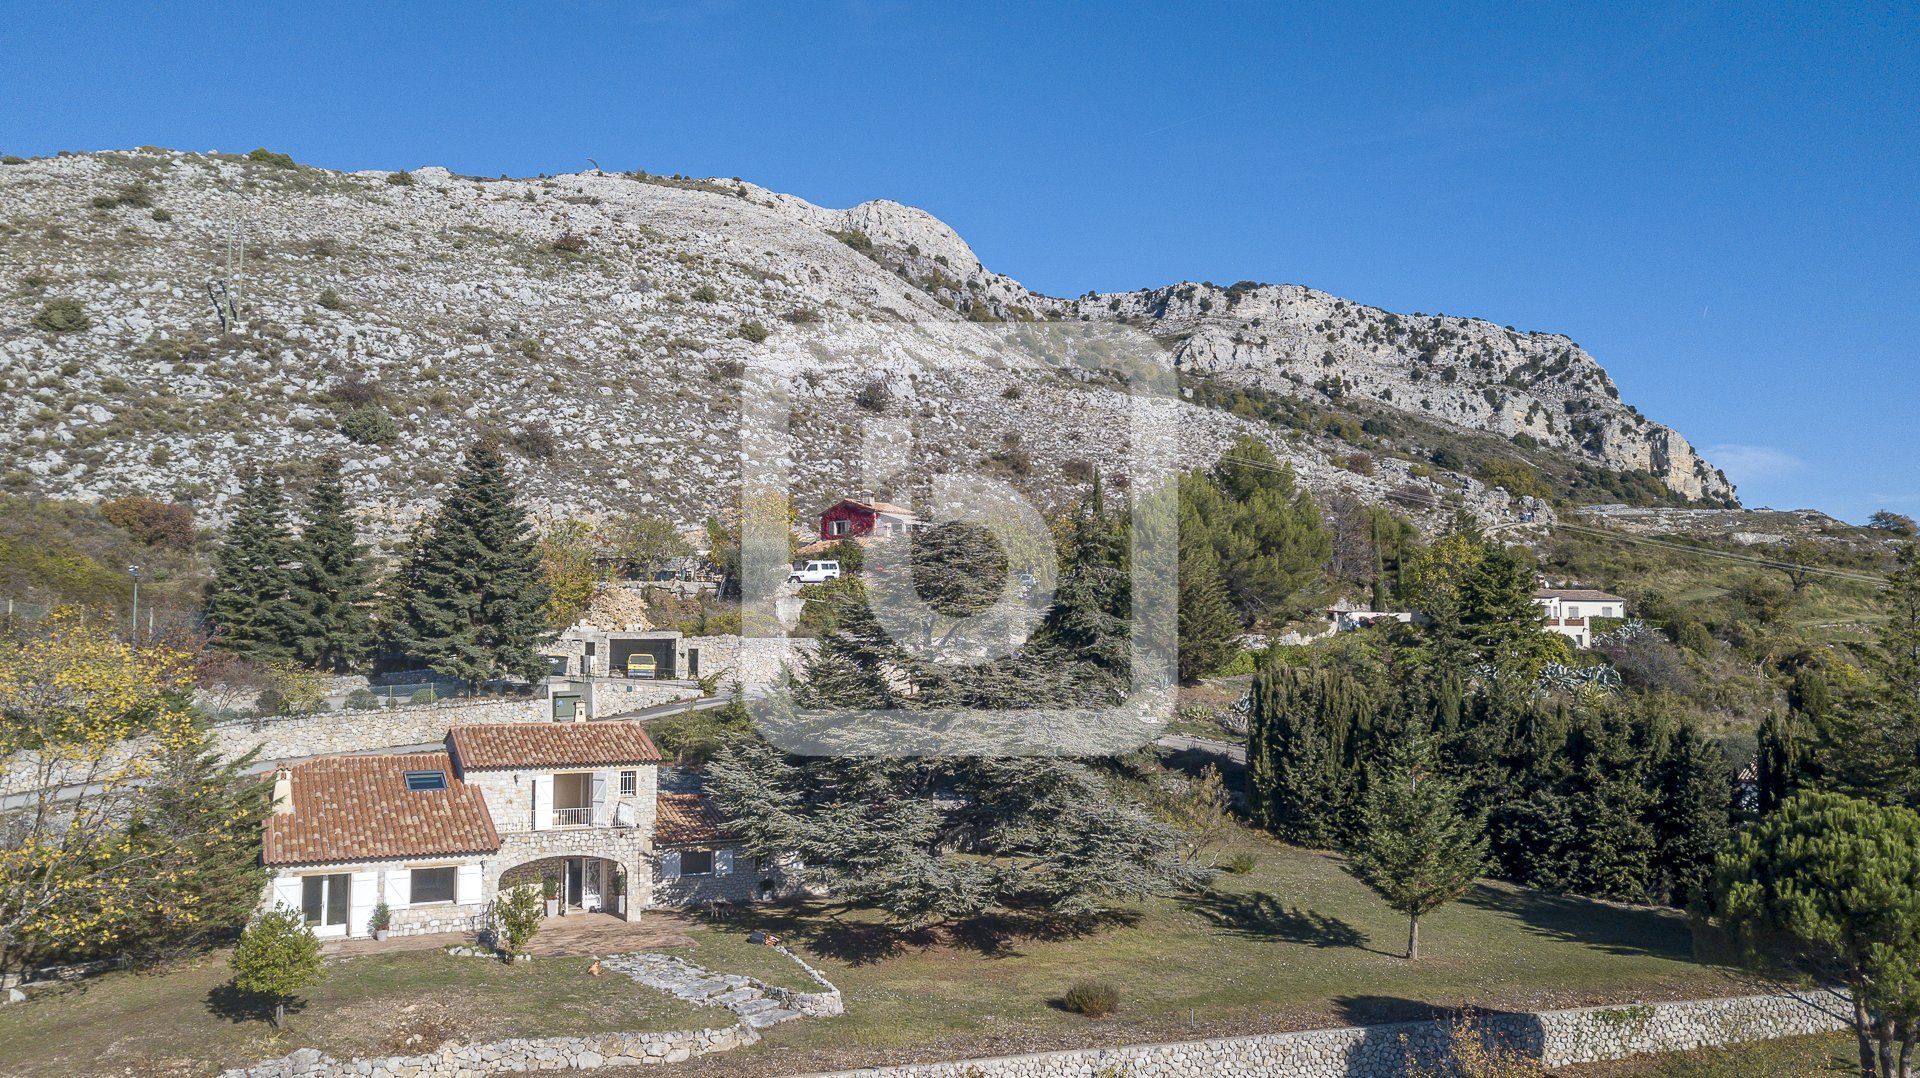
[
  {"x": 467, "y": 886},
  {"x": 399, "y": 888},
  {"x": 361, "y": 897},
  {"x": 600, "y": 799},
  {"x": 722, "y": 861},
  {"x": 670, "y": 865},
  {"x": 542, "y": 802},
  {"x": 286, "y": 892}
]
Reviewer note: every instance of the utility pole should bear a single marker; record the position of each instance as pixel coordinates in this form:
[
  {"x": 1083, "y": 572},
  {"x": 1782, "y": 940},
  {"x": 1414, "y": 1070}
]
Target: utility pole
[{"x": 133, "y": 624}]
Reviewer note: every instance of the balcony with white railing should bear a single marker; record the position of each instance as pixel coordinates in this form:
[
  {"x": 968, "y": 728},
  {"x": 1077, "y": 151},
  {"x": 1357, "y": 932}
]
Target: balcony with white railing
[{"x": 573, "y": 817}]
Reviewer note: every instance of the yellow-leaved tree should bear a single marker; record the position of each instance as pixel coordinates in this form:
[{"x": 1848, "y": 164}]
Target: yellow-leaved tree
[{"x": 85, "y": 721}]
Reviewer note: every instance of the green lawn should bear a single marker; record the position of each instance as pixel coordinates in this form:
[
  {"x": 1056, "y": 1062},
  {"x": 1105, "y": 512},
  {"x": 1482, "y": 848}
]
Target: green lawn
[
  {"x": 177, "y": 1021},
  {"x": 1296, "y": 943}
]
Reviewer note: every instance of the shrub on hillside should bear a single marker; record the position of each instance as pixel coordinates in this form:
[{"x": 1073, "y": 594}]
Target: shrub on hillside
[
  {"x": 62, "y": 315},
  {"x": 156, "y": 523},
  {"x": 363, "y": 700},
  {"x": 753, "y": 332},
  {"x": 368, "y": 425},
  {"x": 264, "y": 156},
  {"x": 400, "y": 179},
  {"x": 1095, "y": 999}
]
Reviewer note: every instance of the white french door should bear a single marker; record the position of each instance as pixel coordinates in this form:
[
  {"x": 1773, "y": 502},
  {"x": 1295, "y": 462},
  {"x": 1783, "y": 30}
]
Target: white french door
[{"x": 324, "y": 902}]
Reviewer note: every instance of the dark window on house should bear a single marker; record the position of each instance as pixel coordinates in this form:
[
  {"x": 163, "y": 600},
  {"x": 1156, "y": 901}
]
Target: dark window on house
[
  {"x": 589, "y": 649},
  {"x": 426, "y": 780},
  {"x": 696, "y": 862},
  {"x": 629, "y": 783},
  {"x": 434, "y": 884}
]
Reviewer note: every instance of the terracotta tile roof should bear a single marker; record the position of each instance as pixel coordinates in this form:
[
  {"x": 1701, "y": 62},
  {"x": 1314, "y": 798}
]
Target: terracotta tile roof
[
  {"x": 688, "y": 820},
  {"x": 1584, "y": 595},
  {"x": 551, "y": 744},
  {"x": 358, "y": 808}
]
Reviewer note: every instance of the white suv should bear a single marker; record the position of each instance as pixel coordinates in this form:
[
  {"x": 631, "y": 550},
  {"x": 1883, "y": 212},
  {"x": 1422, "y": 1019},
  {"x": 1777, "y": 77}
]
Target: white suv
[{"x": 815, "y": 572}]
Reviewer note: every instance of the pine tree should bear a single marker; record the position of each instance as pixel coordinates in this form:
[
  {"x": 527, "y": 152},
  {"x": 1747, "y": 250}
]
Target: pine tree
[
  {"x": 1693, "y": 818},
  {"x": 1869, "y": 743},
  {"x": 1415, "y": 847},
  {"x": 474, "y": 603},
  {"x": 1502, "y": 620},
  {"x": 1209, "y": 629},
  {"x": 333, "y": 586},
  {"x": 250, "y": 603},
  {"x": 1266, "y": 532},
  {"x": 1830, "y": 886},
  {"x": 201, "y": 817}
]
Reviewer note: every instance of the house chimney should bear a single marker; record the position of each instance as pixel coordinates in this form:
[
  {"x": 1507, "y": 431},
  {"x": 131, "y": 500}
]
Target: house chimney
[{"x": 283, "y": 792}]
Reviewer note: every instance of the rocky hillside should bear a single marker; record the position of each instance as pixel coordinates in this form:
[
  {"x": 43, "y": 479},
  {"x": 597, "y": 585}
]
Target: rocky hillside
[{"x": 166, "y": 318}]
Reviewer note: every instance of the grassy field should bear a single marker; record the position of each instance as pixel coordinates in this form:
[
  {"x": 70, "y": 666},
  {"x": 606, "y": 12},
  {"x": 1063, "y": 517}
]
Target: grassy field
[
  {"x": 1294, "y": 944},
  {"x": 181, "y": 1020}
]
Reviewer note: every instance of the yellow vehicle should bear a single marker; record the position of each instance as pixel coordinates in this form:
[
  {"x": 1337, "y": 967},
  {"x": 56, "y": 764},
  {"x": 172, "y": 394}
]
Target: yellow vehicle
[{"x": 642, "y": 665}]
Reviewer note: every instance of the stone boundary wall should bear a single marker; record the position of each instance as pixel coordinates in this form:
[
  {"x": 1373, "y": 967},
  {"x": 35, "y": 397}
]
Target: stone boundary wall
[
  {"x": 754, "y": 661},
  {"x": 518, "y": 1055},
  {"x": 1557, "y": 1038},
  {"x": 327, "y": 733}
]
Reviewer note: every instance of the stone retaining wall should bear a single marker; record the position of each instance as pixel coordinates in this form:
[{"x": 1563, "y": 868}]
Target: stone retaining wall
[
  {"x": 519, "y": 1055},
  {"x": 1557, "y": 1038},
  {"x": 753, "y": 661}
]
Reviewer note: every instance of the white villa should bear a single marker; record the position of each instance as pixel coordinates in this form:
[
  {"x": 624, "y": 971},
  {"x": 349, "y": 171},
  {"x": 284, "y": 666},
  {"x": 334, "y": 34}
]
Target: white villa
[
  {"x": 1570, "y": 611},
  {"x": 436, "y": 835}
]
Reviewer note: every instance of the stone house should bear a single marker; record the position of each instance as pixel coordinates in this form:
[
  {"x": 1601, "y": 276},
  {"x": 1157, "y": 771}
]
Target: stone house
[{"x": 437, "y": 835}]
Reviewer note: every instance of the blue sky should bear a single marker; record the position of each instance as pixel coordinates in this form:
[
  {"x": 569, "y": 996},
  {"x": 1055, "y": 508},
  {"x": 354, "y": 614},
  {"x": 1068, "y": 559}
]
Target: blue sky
[{"x": 1719, "y": 203}]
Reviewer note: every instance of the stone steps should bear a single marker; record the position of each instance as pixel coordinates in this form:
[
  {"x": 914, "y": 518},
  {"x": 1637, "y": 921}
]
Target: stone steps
[{"x": 749, "y": 1000}]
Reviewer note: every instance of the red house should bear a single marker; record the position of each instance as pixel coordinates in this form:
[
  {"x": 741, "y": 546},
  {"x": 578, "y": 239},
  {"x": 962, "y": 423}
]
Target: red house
[{"x": 849, "y": 519}]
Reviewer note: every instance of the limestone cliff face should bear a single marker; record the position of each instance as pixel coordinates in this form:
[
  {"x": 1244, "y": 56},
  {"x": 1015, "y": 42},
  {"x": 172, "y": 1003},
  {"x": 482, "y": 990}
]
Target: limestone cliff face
[
  {"x": 1465, "y": 372},
  {"x": 597, "y": 321}
]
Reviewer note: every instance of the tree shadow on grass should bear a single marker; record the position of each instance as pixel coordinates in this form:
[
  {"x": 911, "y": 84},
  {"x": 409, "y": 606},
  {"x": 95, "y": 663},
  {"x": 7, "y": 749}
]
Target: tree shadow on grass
[
  {"x": 995, "y": 934},
  {"x": 229, "y": 1002},
  {"x": 1610, "y": 927},
  {"x": 1259, "y": 915}
]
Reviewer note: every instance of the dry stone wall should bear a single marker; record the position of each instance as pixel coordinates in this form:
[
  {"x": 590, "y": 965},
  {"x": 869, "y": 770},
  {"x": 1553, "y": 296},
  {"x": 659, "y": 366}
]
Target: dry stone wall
[
  {"x": 516, "y": 1056},
  {"x": 1557, "y": 1038}
]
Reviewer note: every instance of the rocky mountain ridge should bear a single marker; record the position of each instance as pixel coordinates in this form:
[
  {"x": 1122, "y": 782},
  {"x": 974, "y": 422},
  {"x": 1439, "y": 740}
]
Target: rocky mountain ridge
[{"x": 167, "y": 318}]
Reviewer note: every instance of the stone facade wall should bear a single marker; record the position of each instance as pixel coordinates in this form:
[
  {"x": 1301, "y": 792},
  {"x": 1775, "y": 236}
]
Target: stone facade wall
[
  {"x": 525, "y": 1054},
  {"x": 1557, "y": 1038},
  {"x": 742, "y": 884},
  {"x": 753, "y": 661}
]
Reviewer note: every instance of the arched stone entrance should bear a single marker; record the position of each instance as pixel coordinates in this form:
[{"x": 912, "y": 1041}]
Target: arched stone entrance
[{"x": 580, "y": 884}]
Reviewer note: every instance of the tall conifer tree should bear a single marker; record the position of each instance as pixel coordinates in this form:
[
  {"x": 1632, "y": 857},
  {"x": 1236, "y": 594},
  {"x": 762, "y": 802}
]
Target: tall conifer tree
[
  {"x": 474, "y": 604},
  {"x": 333, "y": 586},
  {"x": 250, "y": 602}
]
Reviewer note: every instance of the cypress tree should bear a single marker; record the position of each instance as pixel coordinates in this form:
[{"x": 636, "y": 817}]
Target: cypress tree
[
  {"x": 1302, "y": 733},
  {"x": 250, "y": 602},
  {"x": 1209, "y": 629},
  {"x": 1693, "y": 818},
  {"x": 1777, "y": 761},
  {"x": 334, "y": 585},
  {"x": 201, "y": 816},
  {"x": 474, "y": 602}
]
